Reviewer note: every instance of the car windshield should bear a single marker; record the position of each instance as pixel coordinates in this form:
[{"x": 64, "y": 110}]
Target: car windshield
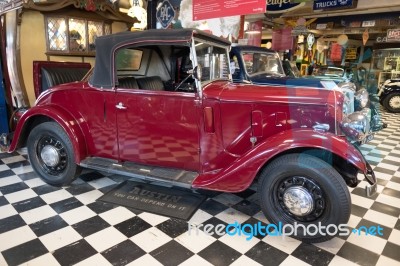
[
  {"x": 328, "y": 71},
  {"x": 291, "y": 69},
  {"x": 259, "y": 62},
  {"x": 213, "y": 61}
]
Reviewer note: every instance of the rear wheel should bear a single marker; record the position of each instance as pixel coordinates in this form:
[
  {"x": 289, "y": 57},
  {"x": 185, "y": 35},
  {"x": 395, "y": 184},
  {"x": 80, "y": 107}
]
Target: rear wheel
[
  {"x": 300, "y": 189},
  {"x": 392, "y": 102},
  {"x": 51, "y": 154}
]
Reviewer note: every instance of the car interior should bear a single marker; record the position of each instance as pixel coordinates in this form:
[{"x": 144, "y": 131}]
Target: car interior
[{"x": 158, "y": 68}]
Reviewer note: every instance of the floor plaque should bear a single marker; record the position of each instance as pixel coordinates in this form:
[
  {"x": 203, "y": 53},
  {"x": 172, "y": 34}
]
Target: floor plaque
[{"x": 171, "y": 202}]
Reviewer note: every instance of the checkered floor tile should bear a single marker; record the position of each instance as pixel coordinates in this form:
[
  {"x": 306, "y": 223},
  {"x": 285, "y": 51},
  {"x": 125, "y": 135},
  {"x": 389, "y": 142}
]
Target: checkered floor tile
[{"x": 45, "y": 225}]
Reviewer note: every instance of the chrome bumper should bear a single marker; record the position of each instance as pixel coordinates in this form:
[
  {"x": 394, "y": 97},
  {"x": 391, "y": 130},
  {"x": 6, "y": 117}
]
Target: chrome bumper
[
  {"x": 4, "y": 142},
  {"x": 370, "y": 189}
]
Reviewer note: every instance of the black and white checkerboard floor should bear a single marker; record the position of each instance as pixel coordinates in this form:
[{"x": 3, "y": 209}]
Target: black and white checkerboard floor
[{"x": 45, "y": 225}]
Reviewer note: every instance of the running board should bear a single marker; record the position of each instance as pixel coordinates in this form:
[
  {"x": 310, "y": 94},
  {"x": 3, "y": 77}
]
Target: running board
[{"x": 171, "y": 176}]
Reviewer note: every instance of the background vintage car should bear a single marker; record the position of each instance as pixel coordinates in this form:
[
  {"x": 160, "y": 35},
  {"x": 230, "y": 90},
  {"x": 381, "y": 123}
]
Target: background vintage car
[
  {"x": 161, "y": 106},
  {"x": 337, "y": 74},
  {"x": 389, "y": 95},
  {"x": 358, "y": 76},
  {"x": 263, "y": 66}
]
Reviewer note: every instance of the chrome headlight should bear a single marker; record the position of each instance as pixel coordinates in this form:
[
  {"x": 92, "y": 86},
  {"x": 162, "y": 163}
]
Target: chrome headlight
[
  {"x": 361, "y": 98},
  {"x": 359, "y": 122},
  {"x": 347, "y": 85},
  {"x": 356, "y": 126}
]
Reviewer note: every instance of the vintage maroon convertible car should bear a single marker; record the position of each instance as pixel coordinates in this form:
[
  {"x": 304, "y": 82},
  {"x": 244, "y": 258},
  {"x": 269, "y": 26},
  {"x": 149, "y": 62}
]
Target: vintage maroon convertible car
[{"x": 160, "y": 105}]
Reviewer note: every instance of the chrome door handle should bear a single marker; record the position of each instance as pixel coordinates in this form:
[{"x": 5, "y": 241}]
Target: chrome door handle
[{"x": 120, "y": 106}]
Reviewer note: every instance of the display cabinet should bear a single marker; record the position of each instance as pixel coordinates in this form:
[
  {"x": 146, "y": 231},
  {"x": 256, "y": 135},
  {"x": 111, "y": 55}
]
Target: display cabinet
[
  {"x": 391, "y": 69},
  {"x": 386, "y": 64}
]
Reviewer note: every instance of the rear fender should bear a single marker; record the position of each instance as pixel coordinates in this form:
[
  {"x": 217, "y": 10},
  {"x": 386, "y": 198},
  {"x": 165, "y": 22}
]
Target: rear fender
[
  {"x": 240, "y": 174},
  {"x": 59, "y": 115}
]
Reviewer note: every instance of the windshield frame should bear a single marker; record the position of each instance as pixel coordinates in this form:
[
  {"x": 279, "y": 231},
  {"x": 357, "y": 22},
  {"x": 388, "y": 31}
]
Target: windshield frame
[
  {"x": 328, "y": 71},
  {"x": 196, "y": 58}
]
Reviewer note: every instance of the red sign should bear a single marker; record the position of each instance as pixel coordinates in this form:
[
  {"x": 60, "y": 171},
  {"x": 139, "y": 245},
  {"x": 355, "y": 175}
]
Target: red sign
[
  {"x": 336, "y": 52},
  {"x": 205, "y": 9},
  {"x": 282, "y": 39},
  {"x": 254, "y": 36},
  {"x": 393, "y": 35}
]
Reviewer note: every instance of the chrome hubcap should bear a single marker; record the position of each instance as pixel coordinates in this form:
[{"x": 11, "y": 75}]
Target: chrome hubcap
[
  {"x": 298, "y": 200},
  {"x": 394, "y": 102},
  {"x": 50, "y": 155}
]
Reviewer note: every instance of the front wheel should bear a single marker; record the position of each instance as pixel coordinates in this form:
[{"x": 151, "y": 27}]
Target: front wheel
[
  {"x": 304, "y": 191},
  {"x": 51, "y": 154},
  {"x": 392, "y": 102}
]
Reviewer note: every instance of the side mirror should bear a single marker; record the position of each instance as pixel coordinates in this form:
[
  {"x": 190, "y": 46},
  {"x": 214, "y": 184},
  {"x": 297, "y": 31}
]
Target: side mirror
[
  {"x": 197, "y": 72},
  {"x": 232, "y": 67}
]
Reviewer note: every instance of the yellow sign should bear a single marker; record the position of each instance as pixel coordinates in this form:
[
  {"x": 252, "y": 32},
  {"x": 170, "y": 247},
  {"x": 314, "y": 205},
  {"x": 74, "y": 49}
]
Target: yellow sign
[{"x": 351, "y": 53}]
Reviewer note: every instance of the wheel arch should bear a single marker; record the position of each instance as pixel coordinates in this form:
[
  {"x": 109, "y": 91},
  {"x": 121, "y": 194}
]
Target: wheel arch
[
  {"x": 36, "y": 116},
  {"x": 297, "y": 188},
  {"x": 386, "y": 101},
  {"x": 240, "y": 175},
  {"x": 389, "y": 90},
  {"x": 347, "y": 170}
]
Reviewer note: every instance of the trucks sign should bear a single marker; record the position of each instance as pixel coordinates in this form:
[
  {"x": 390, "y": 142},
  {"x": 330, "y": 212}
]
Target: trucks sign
[{"x": 334, "y": 4}]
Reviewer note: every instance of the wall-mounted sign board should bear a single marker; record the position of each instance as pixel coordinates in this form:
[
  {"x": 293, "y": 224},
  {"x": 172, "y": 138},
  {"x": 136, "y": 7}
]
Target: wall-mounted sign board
[
  {"x": 334, "y": 4},
  {"x": 205, "y": 9},
  {"x": 281, "y": 6},
  {"x": 351, "y": 53},
  {"x": 393, "y": 35},
  {"x": 165, "y": 13}
]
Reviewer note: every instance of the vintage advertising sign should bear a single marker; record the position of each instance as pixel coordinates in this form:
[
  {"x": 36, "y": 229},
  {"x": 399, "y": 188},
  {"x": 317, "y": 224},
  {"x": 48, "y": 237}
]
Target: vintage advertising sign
[
  {"x": 281, "y": 6},
  {"x": 351, "y": 53},
  {"x": 165, "y": 13},
  {"x": 334, "y": 4},
  {"x": 368, "y": 23},
  {"x": 205, "y": 9},
  {"x": 393, "y": 35},
  {"x": 336, "y": 52}
]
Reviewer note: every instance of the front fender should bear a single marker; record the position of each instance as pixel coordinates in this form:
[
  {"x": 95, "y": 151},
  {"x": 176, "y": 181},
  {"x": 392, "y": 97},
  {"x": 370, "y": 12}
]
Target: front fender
[
  {"x": 59, "y": 115},
  {"x": 240, "y": 174},
  {"x": 389, "y": 89}
]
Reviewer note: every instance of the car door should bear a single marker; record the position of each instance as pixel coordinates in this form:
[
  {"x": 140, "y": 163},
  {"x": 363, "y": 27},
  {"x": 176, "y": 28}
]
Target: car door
[
  {"x": 158, "y": 128},
  {"x": 155, "y": 126},
  {"x": 96, "y": 105}
]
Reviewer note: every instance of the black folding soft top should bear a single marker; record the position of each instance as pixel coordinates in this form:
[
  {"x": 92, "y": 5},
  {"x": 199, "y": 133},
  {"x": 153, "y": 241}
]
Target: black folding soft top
[
  {"x": 106, "y": 45},
  {"x": 250, "y": 48}
]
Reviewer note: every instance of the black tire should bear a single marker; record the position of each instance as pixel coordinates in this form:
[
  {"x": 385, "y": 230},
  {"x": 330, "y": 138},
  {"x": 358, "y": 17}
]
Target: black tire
[
  {"x": 50, "y": 137},
  {"x": 392, "y": 102},
  {"x": 326, "y": 191}
]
